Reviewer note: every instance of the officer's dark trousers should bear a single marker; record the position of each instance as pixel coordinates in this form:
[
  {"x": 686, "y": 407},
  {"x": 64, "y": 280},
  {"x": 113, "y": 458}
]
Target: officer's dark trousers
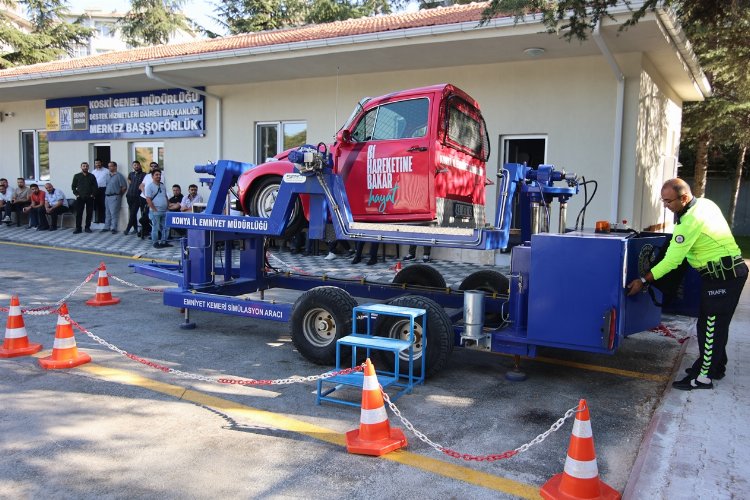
[{"x": 719, "y": 298}]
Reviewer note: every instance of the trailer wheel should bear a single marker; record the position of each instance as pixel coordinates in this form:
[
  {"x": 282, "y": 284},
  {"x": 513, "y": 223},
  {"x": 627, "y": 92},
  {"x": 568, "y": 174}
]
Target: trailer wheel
[
  {"x": 263, "y": 198},
  {"x": 320, "y": 317},
  {"x": 440, "y": 337},
  {"x": 420, "y": 275},
  {"x": 490, "y": 282}
]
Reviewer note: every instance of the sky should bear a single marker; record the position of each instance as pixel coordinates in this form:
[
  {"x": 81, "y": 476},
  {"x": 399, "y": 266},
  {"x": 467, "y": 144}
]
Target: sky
[{"x": 199, "y": 10}]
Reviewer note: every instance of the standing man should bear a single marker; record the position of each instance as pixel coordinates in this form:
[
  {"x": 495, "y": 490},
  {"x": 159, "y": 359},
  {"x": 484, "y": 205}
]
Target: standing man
[
  {"x": 54, "y": 204},
  {"x": 156, "y": 197},
  {"x": 37, "y": 202},
  {"x": 133, "y": 195},
  {"x": 113, "y": 191},
  {"x": 19, "y": 200},
  {"x": 702, "y": 236},
  {"x": 84, "y": 189},
  {"x": 101, "y": 175}
]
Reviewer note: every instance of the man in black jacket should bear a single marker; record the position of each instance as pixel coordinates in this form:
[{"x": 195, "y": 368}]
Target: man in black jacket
[{"x": 84, "y": 189}]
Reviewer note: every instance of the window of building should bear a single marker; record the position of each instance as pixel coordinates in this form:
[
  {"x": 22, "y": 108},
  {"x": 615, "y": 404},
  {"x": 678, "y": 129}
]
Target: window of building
[
  {"x": 105, "y": 29},
  {"x": 530, "y": 150},
  {"x": 271, "y": 138},
  {"x": 34, "y": 155},
  {"x": 146, "y": 152}
]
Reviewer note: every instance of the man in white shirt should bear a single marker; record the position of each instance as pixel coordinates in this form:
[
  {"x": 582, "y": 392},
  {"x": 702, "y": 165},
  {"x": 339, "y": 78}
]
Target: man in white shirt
[
  {"x": 55, "y": 203},
  {"x": 101, "y": 174},
  {"x": 193, "y": 197}
]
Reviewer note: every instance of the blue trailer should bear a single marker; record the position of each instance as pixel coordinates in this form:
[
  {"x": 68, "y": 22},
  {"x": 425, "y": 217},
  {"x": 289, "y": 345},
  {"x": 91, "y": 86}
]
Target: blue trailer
[{"x": 564, "y": 290}]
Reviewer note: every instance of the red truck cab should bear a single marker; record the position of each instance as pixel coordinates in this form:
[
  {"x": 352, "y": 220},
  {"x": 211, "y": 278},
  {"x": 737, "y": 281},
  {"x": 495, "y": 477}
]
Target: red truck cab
[{"x": 414, "y": 156}]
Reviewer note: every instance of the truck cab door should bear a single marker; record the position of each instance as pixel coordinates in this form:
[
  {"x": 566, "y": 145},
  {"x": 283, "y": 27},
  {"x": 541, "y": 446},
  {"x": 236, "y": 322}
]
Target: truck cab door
[{"x": 385, "y": 165}]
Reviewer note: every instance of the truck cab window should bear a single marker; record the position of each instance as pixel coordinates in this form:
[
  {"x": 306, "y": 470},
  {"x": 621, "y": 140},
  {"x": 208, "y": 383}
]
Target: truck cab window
[{"x": 397, "y": 120}]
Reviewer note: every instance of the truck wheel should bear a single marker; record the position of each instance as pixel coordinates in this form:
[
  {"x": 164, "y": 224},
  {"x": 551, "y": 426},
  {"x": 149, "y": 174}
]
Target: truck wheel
[
  {"x": 489, "y": 282},
  {"x": 440, "y": 337},
  {"x": 420, "y": 275},
  {"x": 263, "y": 198},
  {"x": 320, "y": 317}
]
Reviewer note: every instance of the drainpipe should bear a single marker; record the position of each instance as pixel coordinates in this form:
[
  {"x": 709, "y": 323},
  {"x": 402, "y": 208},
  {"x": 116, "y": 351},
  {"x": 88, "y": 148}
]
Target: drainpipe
[
  {"x": 150, "y": 74},
  {"x": 617, "y": 153}
]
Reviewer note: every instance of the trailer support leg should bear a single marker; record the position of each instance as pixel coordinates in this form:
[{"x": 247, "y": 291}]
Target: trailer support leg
[
  {"x": 515, "y": 374},
  {"x": 187, "y": 324}
]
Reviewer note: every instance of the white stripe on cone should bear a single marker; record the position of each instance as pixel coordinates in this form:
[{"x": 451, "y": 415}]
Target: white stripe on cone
[
  {"x": 14, "y": 311},
  {"x": 65, "y": 343},
  {"x": 62, "y": 321},
  {"x": 15, "y": 333},
  {"x": 371, "y": 383},
  {"x": 582, "y": 428},
  {"x": 375, "y": 416},
  {"x": 581, "y": 470},
  {"x": 102, "y": 289}
]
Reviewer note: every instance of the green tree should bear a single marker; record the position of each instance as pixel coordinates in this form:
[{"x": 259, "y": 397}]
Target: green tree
[
  {"x": 51, "y": 36},
  {"x": 153, "y": 22},
  {"x": 577, "y": 18},
  {"x": 245, "y": 16}
]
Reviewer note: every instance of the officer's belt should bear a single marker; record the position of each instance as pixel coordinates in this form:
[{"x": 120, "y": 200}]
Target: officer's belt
[{"x": 723, "y": 268}]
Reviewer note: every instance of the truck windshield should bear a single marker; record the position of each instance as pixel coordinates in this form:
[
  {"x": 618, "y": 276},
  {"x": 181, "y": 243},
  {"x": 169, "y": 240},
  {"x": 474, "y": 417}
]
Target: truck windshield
[{"x": 357, "y": 110}]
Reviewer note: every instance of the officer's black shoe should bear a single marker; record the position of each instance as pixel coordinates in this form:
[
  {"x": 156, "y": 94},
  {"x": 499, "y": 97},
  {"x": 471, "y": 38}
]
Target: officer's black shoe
[
  {"x": 357, "y": 260},
  {"x": 372, "y": 261},
  {"x": 689, "y": 383}
]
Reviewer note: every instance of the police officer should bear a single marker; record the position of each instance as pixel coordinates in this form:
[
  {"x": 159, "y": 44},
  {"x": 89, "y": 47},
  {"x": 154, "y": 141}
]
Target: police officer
[{"x": 702, "y": 236}]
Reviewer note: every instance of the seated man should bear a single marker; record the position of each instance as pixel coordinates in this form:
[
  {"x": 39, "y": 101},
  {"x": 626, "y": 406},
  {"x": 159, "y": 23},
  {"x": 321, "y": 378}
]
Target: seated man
[
  {"x": 192, "y": 197},
  {"x": 55, "y": 203},
  {"x": 176, "y": 199},
  {"x": 5, "y": 196},
  {"x": 20, "y": 199},
  {"x": 37, "y": 201}
]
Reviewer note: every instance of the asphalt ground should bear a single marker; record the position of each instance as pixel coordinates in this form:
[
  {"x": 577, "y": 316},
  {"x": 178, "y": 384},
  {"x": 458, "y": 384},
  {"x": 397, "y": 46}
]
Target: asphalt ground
[{"x": 115, "y": 428}]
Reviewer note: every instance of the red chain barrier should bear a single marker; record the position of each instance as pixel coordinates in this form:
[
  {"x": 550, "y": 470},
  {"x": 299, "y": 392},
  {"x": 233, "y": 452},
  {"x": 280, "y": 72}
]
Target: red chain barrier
[
  {"x": 666, "y": 332},
  {"x": 480, "y": 458}
]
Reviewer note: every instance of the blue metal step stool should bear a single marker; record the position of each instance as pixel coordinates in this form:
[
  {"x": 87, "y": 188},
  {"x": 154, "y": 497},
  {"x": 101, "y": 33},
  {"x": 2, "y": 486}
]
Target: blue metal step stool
[{"x": 368, "y": 341}]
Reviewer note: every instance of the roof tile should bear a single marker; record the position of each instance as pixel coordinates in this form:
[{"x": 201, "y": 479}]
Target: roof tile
[{"x": 364, "y": 25}]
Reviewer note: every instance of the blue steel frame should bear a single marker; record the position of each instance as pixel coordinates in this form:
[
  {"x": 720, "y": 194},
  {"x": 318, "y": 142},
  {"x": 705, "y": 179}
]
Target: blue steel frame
[{"x": 202, "y": 285}]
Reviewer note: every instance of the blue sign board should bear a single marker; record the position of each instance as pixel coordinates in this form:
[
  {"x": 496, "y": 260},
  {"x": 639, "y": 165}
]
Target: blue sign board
[{"x": 136, "y": 115}]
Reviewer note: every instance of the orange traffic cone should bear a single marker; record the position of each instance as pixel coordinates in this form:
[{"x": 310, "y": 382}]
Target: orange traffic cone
[
  {"x": 16, "y": 341},
  {"x": 397, "y": 267},
  {"x": 103, "y": 296},
  {"x": 64, "y": 352},
  {"x": 374, "y": 436},
  {"x": 580, "y": 478}
]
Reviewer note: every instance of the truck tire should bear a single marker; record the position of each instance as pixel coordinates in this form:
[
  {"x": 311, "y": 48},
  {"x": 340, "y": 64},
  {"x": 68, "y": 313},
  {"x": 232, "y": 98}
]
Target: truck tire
[
  {"x": 320, "y": 317},
  {"x": 490, "y": 282},
  {"x": 420, "y": 275},
  {"x": 262, "y": 199},
  {"x": 440, "y": 337}
]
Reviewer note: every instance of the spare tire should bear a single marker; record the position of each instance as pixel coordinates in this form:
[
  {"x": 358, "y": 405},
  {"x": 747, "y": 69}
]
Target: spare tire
[{"x": 420, "y": 275}]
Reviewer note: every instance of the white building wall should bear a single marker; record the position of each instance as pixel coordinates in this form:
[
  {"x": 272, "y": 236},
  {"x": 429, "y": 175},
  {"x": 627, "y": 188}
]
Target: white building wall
[{"x": 571, "y": 101}]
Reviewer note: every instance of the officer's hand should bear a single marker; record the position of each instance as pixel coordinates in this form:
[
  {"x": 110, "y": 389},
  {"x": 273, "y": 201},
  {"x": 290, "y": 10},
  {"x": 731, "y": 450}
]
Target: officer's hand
[{"x": 635, "y": 286}]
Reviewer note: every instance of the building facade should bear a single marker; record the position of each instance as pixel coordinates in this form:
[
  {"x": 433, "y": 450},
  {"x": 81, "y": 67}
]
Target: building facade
[{"x": 608, "y": 109}]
